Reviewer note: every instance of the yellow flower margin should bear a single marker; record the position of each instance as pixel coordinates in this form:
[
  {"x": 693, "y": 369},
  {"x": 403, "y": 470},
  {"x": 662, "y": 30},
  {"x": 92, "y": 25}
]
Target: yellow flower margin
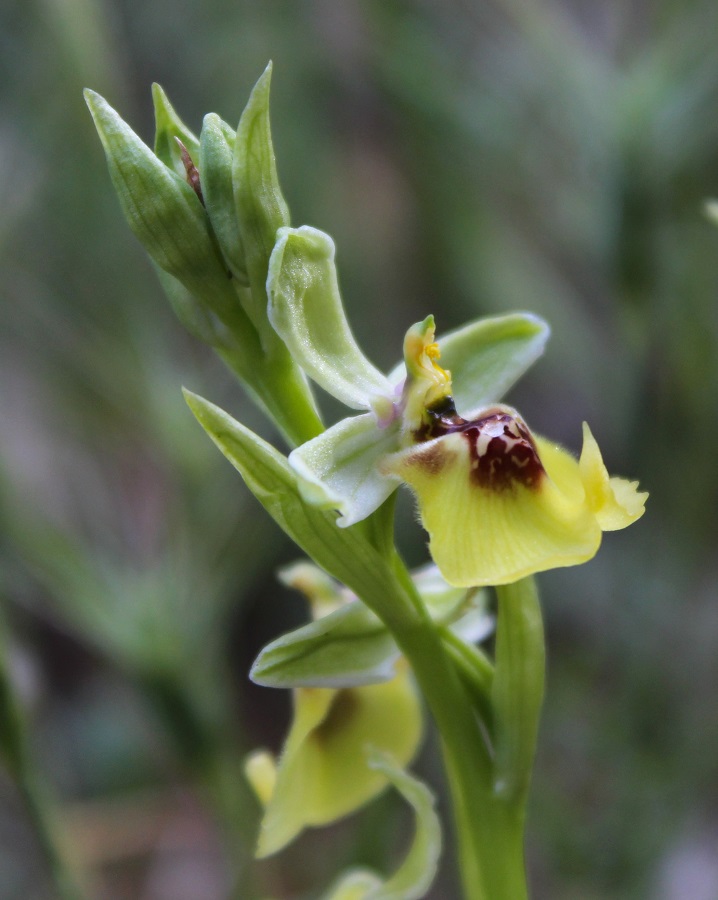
[
  {"x": 322, "y": 774},
  {"x": 480, "y": 535}
]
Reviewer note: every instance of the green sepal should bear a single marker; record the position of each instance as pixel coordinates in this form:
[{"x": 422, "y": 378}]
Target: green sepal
[
  {"x": 348, "y": 554},
  {"x": 165, "y": 214},
  {"x": 414, "y": 877},
  {"x": 518, "y": 687},
  {"x": 306, "y": 310},
  {"x": 260, "y": 204},
  {"x": 346, "y": 648},
  {"x": 350, "y": 646},
  {"x": 169, "y": 126},
  {"x": 216, "y": 153},
  {"x": 487, "y": 356}
]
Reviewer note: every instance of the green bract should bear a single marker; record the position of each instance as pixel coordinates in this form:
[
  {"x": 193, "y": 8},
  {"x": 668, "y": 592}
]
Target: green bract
[{"x": 351, "y": 646}]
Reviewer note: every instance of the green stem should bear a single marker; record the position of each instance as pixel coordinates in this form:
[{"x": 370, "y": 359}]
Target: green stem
[
  {"x": 489, "y": 830},
  {"x": 278, "y": 388}
]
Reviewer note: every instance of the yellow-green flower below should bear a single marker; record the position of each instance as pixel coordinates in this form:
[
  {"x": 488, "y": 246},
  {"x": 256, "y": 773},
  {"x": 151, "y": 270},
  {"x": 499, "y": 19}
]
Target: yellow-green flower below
[
  {"x": 500, "y": 504},
  {"x": 322, "y": 774}
]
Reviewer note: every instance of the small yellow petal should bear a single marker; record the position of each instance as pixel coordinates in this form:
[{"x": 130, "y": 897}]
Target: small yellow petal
[
  {"x": 615, "y": 502},
  {"x": 260, "y": 769}
]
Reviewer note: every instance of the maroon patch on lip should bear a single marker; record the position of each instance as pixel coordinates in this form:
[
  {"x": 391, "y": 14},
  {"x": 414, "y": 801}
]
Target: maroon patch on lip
[
  {"x": 432, "y": 460},
  {"x": 501, "y": 449}
]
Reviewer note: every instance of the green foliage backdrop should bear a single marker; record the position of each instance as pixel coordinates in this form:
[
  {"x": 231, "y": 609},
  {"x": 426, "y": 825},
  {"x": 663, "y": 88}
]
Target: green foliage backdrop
[{"x": 468, "y": 158}]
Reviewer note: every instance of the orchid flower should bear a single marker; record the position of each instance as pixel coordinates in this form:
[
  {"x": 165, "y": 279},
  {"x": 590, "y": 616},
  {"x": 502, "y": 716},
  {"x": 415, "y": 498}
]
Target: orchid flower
[
  {"x": 322, "y": 774},
  {"x": 351, "y": 689},
  {"x": 499, "y": 502}
]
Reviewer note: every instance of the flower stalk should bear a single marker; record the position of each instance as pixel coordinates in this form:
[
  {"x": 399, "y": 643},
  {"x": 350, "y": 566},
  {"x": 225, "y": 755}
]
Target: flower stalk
[{"x": 499, "y": 503}]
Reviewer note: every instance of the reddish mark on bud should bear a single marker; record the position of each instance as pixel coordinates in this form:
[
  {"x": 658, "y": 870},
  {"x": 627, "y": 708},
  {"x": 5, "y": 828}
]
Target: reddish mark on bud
[{"x": 191, "y": 170}]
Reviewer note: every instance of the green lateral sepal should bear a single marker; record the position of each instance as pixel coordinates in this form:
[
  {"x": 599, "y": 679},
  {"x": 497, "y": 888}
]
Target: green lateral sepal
[{"x": 487, "y": 356}]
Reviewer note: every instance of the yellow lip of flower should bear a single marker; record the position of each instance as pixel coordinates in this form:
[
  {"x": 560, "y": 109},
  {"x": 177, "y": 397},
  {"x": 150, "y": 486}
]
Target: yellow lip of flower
[
  {"x": 500, "y": 504},
  {"x": 322, "y": 774}
]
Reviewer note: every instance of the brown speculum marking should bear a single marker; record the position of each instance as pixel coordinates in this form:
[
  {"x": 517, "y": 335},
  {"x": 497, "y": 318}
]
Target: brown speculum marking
[{"x": 501, "y": 449}]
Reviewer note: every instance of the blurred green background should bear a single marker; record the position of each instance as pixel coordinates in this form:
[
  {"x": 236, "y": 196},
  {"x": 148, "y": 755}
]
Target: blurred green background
[{"x": 468, "y": 159}]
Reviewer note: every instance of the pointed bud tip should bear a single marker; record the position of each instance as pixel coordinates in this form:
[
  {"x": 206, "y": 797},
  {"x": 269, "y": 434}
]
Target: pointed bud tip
[
  {"x": 93, "y": 99},
  {"x": 265, "y": 79},
  {"x": 194, "y": 401}
]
